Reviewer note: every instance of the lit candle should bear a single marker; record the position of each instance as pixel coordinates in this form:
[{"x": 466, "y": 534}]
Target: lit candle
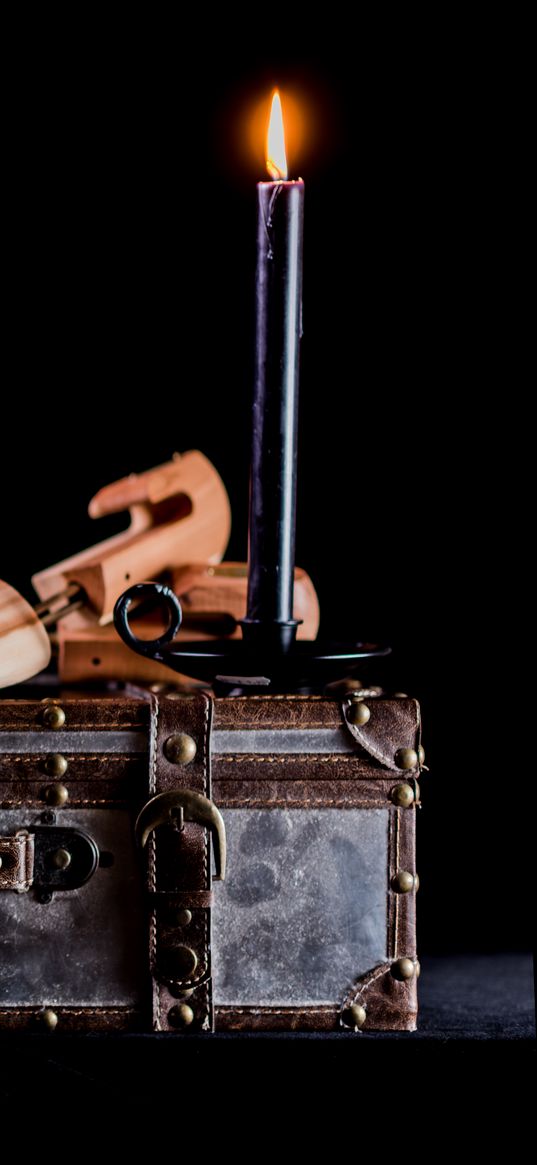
[{"x": 280, "y": 209}]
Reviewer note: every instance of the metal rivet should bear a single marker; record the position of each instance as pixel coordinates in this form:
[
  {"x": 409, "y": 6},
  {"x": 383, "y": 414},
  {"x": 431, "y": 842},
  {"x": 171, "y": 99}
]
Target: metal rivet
[
  {"x": 400, "y": 696},
  {"x": 358, "y": 713},
  {"x": 56, "y": 765},
  {"x": 180, "y": 1015},
  {"x": 355, "y": 1016},
  {"x": 180, "y": 749},
  {"x": 49, "y": 1019},
  {"x": 406, "y": 758},
  {"x": 403, "y": 969},
  {"x": 421, "y": 754},
  {"x": 416, "y": 883},
  {"x": 403, "y": 882},
  {"x": 61, "y": 859},
  {"x": 179, "y": 962},
  {"x": 402, "y": 795},
  {"x": 53, "y": 716},
  {"x": 180, "y": 992},
  {"x": 183, "y": 917},
  {"x": 417, "y": 969},
  {"x": 56, "y": 795}
]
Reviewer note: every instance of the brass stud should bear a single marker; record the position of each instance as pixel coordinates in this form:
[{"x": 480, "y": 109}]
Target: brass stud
[
  {"x": 358, "y": 713},
  {"x": 180, "y": 992},
  {"x": 406, "y": 758},
  {"x": 403, "y": 882},
  {"x": 49, "y": 1019},
  {"x": 180, "y": 1015},
  {"x": 416, "y": 883},
  {"x": 354, "y": 1016},
  {"x": 180, "y": 962},
  {"x": 56, "y": 795},
  {"x": 53, "y": 716},
  {"x": 56, "y": 765},
  {"x": 183, "y": 917},
  {"x": 402, "y": 795},
  {"x": 421, "y": 754},
  {"x": 61, "y": 859},
  {"x": 417, "y": 968},
  {"x": 403, "y": 969},
  {"x": 180, "y": 749}
]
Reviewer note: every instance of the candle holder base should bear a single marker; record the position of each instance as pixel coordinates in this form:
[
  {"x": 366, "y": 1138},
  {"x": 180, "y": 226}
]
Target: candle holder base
[
  {"x": 276, "y": 637},
  {"x": 306, "y": 663}
]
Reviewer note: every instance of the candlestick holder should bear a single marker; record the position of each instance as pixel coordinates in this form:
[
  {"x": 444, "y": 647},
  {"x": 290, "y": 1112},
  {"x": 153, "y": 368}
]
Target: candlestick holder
[
  {"x": 268, "y": 656},
  {"x": 240, "y": 663}
]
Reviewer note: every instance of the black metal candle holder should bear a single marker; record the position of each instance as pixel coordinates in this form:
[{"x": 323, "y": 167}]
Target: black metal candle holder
[
  {"x": 268, "y": 654},
  {"x": 236, "y": 662}
]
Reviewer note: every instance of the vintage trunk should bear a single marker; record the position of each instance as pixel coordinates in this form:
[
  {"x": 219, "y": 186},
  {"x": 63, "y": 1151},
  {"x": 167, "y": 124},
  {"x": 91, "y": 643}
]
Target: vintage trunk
[{"x": 313, "y": 928}]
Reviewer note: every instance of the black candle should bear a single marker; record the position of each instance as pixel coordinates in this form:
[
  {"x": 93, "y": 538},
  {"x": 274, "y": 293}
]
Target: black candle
[{"x": 280, "y": 207}]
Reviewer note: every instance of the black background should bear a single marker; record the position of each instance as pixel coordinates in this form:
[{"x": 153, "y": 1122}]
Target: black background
[{"x": 129, "y": 245}]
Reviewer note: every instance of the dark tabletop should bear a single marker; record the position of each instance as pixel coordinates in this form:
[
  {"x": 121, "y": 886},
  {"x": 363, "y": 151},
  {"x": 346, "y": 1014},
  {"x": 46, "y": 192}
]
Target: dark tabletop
[{"x": 472, "y": 1007}]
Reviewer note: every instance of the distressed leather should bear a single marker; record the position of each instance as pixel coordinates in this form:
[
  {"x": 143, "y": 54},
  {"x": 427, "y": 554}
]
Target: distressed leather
[
  {"x": 17, "y": 862},
  {"x": 73, "y": 1019},
  {"x": 393, "y": 724},
  {"x": 390, "y": 1005},
  {"x": 97, "y": 713},
  {"x": 383, "y": 1014},
  {"x": 179, "y": 865},
  {"x": 244, "y": 712},
  {"x": 92, "y": 779}
]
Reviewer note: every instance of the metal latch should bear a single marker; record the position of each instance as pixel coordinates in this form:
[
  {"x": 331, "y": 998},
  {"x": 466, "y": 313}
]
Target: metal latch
[
  {"x": 47, "y": 859},
  {"x": 178, "y": 806}
]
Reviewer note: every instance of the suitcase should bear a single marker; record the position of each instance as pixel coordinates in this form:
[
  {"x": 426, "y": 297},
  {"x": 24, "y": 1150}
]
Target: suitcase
[{"x": 117, "y": 812}]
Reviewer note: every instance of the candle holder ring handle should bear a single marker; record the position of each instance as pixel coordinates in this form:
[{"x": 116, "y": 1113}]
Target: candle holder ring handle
[{"x": 161, "y": 596}]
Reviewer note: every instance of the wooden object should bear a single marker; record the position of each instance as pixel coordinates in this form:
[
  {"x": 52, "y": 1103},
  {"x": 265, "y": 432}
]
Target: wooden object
[
  {"x": 222, "y": 589},
  {"x": 25, "y": 645},
  {"x": 213, "y": 599},
  {"x": 179, "y": 511}
]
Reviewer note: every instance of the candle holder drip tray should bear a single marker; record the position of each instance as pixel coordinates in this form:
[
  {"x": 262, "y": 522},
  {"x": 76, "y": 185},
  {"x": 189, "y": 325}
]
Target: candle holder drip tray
[{"x": 247, "y": 662}]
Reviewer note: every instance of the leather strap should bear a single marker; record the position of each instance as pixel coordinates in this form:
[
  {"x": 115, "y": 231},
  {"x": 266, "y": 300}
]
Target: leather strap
[
  {"x": 179, "y": 872},
  {"x": 17, "y": 861}
]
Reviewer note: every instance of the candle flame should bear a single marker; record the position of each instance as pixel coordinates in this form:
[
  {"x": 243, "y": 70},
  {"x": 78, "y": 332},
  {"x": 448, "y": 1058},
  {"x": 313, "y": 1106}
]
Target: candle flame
[{"x": 276, "y": 159}]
